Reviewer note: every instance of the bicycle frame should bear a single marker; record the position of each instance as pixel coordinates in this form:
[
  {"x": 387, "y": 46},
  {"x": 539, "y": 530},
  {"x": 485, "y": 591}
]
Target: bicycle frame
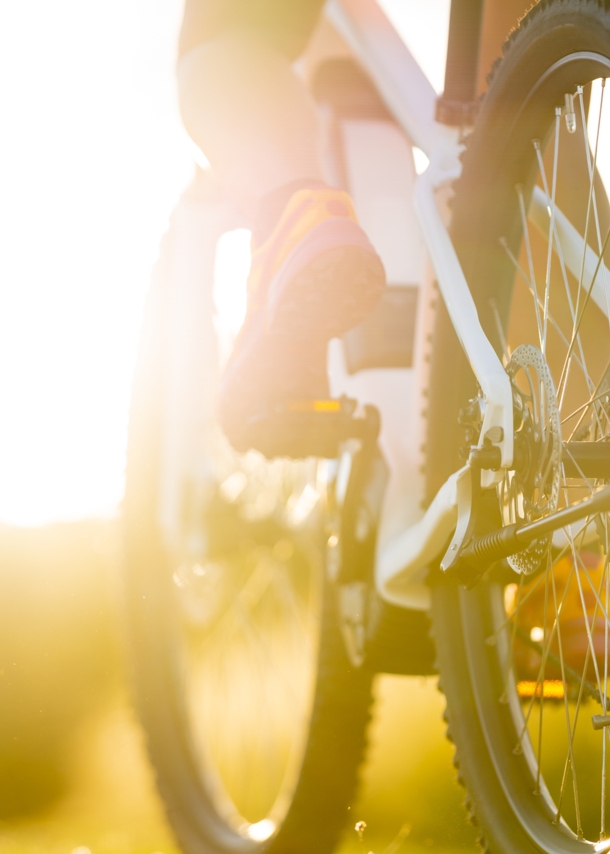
[
  {"x": 411, "y": 98},
  {"x": 409, "y": 538},
  {"x": 221, "y": 544}
]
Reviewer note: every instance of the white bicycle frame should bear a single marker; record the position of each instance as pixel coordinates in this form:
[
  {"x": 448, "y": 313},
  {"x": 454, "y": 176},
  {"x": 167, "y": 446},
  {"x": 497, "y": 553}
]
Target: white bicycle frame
[
  {"x": 411, "y": 99},
  {"x": 409, "y": 538}
]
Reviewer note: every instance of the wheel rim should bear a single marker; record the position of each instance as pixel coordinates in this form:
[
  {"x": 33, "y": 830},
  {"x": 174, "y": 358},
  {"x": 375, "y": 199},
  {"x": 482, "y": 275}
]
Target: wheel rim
[
  {"x": 247, "y": 623},
  {"x": 538, "y": 646}
]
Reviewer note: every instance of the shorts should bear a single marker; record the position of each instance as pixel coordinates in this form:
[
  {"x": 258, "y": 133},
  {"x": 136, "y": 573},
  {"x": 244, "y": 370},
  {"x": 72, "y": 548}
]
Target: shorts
[{"x": 285, "y": 24}]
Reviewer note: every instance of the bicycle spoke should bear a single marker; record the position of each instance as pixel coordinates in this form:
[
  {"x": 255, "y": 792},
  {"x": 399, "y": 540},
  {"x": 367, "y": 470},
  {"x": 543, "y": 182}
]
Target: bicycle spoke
[
  {"x": 568, "y": 726},
  {"x": 592, "y": 399},
  {"x": 530, "y": 260},
  {"x": 606, "y": 574},
  {"x": 553, "y": 231},
  {"x": 492, "y": 639},
  {"x": 544, "y": 629},
  {"x": 546, "y": 653},
  {"x": 590, "y": 646},
  {"x": 509, "y": 661},
  {"x": 552, "y": 321},
  {"x": 581, "y": 680},
  {"x": 263, "y": 646},
  {"x": 583, "y": 408},
  {"x": 505, "y": 348},
  {"x": 591, "y": 169},
  {"x": 580, "y": 317},
  {"x": 567, "y": 453},
  {"x": 547, "y": 280},
  {"x": 581, "y": 692}
]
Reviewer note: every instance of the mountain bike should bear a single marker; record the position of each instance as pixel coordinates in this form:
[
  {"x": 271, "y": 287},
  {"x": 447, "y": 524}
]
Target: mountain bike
[{"x": 463, "y": 477}]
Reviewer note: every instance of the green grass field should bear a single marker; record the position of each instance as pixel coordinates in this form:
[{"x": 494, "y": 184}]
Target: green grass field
[{"x": 74, "y": 776}]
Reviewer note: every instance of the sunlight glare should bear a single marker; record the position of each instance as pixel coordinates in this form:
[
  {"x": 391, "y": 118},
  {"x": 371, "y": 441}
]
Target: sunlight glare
[
  {"x": 231, "y": 270},
  {"x": 425, "y": 30},
  {"x": 603, "y": 149},
  {"x": 262, "y": 830},
  {"x": 94, "y": 160}
]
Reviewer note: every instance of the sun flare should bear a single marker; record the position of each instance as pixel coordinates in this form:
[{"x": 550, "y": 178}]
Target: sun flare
[{"x": 94, "y": 159}]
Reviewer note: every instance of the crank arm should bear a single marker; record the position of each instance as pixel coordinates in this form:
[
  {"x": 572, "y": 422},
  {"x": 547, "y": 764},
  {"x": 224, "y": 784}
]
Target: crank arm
[{"x": 480, "y": 552}]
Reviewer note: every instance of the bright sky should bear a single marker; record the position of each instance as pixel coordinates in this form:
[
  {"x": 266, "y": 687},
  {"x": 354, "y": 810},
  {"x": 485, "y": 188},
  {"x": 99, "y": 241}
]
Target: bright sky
[{"x": 93, "y": 160}]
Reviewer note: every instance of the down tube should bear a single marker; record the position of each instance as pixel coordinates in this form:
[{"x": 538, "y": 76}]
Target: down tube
[{"x": 486, "y": 365}]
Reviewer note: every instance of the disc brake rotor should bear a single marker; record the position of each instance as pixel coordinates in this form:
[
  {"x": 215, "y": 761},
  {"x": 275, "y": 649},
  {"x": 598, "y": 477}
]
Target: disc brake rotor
[{"x": 531, "y": 490}]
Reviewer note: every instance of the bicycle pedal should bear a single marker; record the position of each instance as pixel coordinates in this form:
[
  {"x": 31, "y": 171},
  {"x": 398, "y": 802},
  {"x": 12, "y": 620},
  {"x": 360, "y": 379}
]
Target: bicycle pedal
[{"x": 311, "y": 428}]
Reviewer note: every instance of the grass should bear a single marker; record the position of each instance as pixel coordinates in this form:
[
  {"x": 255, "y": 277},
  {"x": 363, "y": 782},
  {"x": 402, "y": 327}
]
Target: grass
[
  {"x": 111, "y": 806},
  {"x": 74, "y": 776}
]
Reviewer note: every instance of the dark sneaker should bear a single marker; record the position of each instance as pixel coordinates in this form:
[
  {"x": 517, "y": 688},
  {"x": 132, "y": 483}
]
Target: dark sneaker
[{"x": 314, "y": 278}]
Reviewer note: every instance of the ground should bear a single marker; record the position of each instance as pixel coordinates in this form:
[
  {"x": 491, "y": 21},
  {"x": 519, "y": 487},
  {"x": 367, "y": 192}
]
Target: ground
[{"x": 74, "y": 776}]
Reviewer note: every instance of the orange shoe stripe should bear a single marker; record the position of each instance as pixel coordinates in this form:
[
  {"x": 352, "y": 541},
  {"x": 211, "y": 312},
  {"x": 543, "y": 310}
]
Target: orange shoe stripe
[{"x": 306, "y": 209}]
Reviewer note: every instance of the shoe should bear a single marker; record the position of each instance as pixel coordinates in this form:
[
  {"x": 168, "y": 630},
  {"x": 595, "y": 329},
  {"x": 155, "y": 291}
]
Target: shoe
[{"x": 313, "y": 279}]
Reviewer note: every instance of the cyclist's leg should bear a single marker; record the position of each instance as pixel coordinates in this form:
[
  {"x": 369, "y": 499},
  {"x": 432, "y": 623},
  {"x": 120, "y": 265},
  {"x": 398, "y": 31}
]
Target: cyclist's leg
[
  {"x": 288, "y": 26},
  {"x": 314, "y": 272},
  {"x": 241, "y": 101}
]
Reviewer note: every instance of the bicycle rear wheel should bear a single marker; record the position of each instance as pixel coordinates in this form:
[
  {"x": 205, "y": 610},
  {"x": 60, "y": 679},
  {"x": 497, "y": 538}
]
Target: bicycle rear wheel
[
  {"x": 524, "y": 657},
  {"x": 255, "y": 720}
]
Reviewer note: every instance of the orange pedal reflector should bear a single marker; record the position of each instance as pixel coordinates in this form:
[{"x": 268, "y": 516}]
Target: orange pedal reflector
[
  {"x": 551, "y": 689},
  {"x": 314, "y": 406}
]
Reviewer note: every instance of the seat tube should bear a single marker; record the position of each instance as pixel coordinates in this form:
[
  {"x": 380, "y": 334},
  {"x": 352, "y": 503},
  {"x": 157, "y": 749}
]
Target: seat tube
[{"x": 461, "y": 71}]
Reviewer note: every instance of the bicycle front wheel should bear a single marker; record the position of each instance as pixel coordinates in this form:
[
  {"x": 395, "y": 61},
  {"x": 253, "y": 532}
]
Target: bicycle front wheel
[
  {"x": 254, "y": 718},
  {"x": 524, "y": 658}
]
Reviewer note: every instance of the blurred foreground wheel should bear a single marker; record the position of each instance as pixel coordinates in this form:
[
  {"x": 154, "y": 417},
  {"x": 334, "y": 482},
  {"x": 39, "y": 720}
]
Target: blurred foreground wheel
[{"x": 254, "y": 718}]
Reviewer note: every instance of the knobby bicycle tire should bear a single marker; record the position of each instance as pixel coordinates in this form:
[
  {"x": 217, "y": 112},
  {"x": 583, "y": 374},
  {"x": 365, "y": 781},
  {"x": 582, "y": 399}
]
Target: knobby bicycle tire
[{"x": 519, "y": 701}]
